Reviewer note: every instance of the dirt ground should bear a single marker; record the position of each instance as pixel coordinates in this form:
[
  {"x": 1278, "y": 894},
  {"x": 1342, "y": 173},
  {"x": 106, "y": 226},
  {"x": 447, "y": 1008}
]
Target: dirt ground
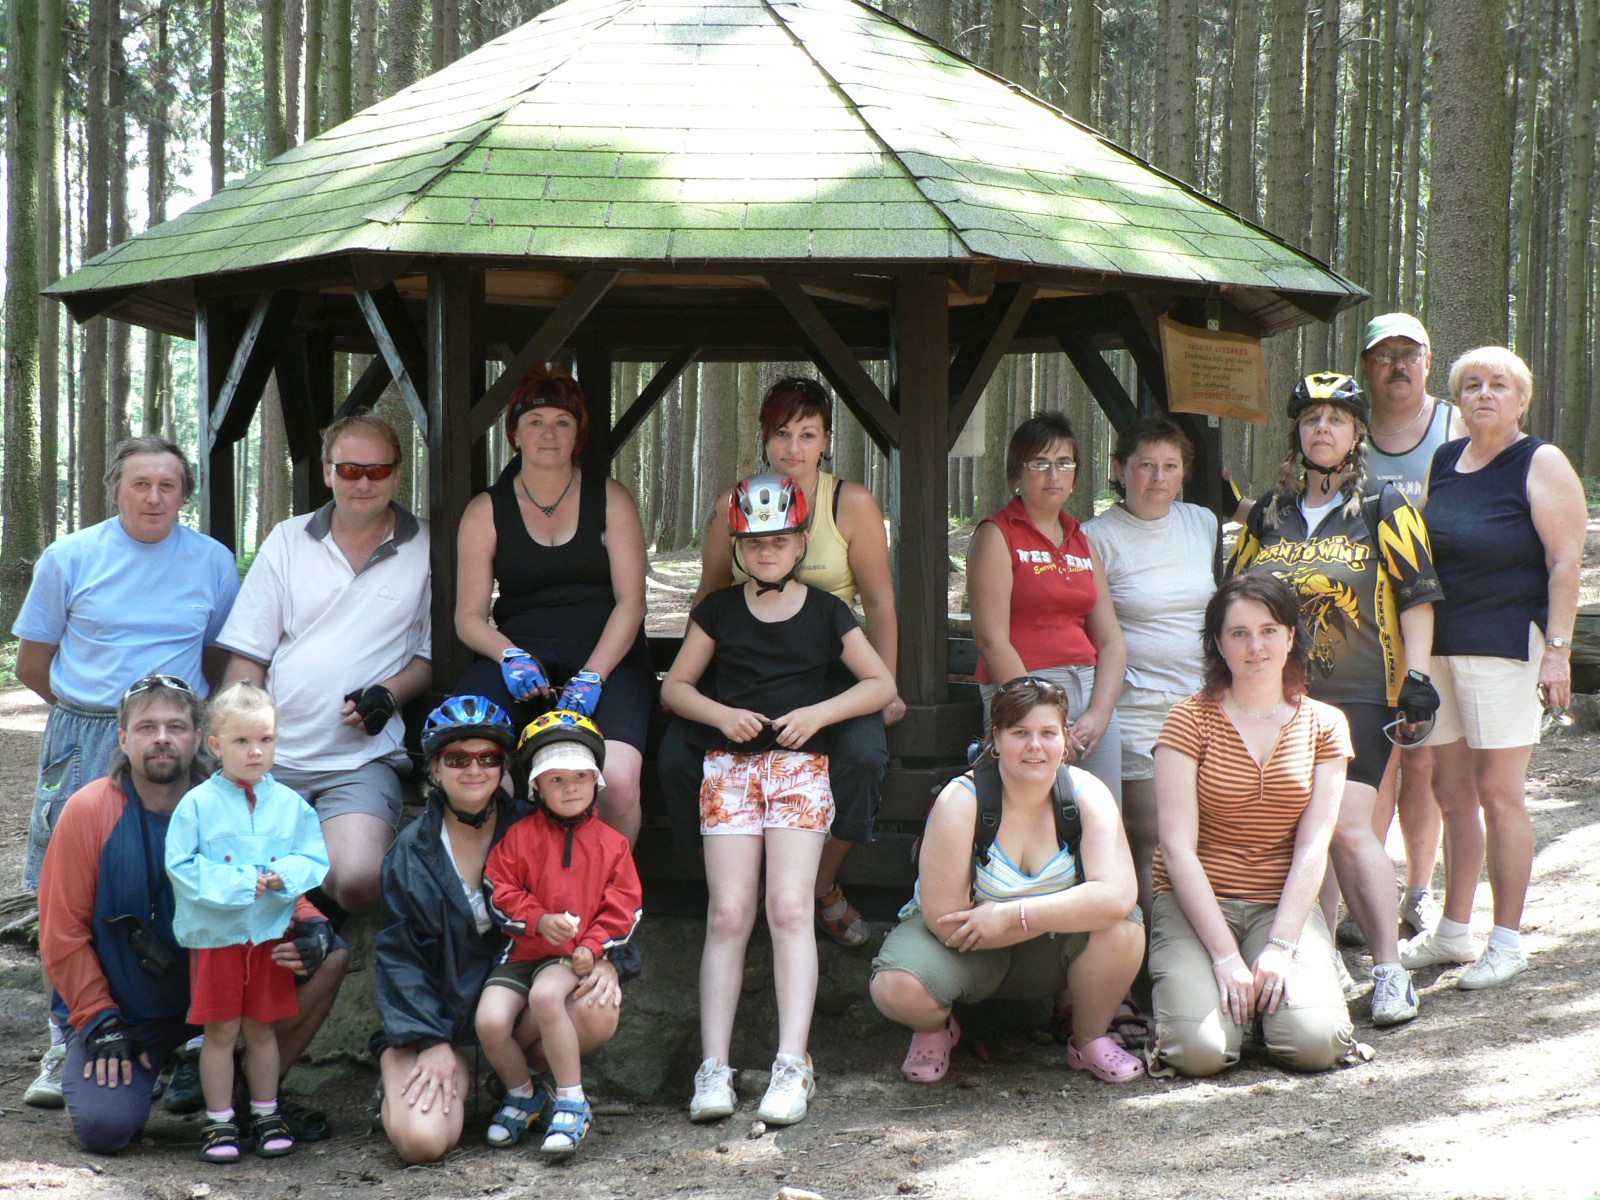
[{"x": 1490, "y": 1094}]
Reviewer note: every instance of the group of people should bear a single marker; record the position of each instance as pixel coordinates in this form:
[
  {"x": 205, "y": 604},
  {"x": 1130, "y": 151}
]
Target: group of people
[{"x": 1162, "y": 751}]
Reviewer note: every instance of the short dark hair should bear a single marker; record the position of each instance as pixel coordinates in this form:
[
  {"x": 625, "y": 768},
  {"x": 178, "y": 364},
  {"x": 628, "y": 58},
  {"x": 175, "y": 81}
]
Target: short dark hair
[
  {"x": 1279, "y": 599},
  {"x": 1032, "y": 436},
  {"x": 148, "y": 444},
  {"x": 134, "y": 703},
  {"x": 1150, "y": 431},
  {"x": 544, "y": 388},
  {"x": 794, "y": 398},
  {"x": 1018, "y": 697}
]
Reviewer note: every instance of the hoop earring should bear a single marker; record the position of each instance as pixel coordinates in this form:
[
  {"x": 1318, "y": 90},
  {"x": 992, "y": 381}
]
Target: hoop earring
[{"x": 994, "y": 752}]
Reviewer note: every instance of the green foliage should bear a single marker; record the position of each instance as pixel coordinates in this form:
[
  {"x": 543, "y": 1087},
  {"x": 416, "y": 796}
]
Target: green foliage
[
  {"x": 8, "y": 664},
  {"x": 1591, "y": 490}
]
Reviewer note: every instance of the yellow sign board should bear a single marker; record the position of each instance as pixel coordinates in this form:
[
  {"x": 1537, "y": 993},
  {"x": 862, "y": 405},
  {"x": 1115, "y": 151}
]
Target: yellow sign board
[{"x": 1214, "y": 374}]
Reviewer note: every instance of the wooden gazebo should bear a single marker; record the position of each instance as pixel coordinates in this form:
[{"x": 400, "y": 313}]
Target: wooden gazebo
[{"x": 665, "y": 181}]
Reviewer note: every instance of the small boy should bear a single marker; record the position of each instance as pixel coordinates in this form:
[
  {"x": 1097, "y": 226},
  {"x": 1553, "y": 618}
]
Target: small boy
[
  {"x": 241, "y": 849},
  {"x": 563, "y": 885}
]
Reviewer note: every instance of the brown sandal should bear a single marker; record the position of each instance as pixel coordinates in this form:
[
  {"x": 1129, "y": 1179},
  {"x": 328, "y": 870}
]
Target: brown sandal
[{"x": 847, "y": 929}]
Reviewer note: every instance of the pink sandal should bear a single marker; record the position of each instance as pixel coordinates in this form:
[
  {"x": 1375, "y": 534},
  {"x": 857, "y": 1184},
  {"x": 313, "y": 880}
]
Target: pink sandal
[
  {"x": 1106, "y": 1060},
  {"x": 929, "y": 1056}
]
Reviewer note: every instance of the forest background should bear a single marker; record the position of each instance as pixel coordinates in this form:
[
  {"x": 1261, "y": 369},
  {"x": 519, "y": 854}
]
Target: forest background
[{"x": 1440, "y": 153}]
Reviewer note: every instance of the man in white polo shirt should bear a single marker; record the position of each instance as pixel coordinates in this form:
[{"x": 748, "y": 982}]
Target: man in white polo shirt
[{"x": 333, "y": 619}]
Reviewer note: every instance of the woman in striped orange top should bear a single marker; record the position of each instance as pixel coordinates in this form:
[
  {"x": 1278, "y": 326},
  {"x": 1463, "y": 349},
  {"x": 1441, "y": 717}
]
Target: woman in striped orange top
[{"x": 1248, "y": 777}]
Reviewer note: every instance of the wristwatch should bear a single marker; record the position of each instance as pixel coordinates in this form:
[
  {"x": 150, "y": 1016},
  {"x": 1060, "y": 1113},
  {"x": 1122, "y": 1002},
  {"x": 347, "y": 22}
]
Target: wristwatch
[{"x": 1558, "y": 643}]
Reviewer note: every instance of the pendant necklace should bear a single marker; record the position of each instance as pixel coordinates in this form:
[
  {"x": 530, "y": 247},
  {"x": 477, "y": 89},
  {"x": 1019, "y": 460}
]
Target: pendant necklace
[
  {"x": 548, "y": 510},
  {"x": 1266, "y": 716}
]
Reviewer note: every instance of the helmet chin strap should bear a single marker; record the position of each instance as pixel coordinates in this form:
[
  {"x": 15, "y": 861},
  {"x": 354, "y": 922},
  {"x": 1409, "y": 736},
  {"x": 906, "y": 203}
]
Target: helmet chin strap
[
  {"x": 762, "y": 587},
  {"x": 475, "y": 820},
  {"x": 1328, "y": 473}
]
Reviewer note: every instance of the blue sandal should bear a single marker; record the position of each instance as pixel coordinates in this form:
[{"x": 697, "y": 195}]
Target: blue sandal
[
  {"x": 569, "y": 1123},
  {"x": 517, "y": 1113}
]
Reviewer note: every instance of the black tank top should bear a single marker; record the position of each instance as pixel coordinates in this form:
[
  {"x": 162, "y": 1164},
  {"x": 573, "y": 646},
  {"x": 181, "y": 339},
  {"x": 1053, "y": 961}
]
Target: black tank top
[{"x": 552, "y": 591}]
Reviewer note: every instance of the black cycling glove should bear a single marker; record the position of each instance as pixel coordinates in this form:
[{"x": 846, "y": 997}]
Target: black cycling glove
[
  {"x": 112, "y": 1038},
  {"x": 314, "y": 940},
  {"x": 374, "y": 705},
  {"x": 1419, "y": 699}
]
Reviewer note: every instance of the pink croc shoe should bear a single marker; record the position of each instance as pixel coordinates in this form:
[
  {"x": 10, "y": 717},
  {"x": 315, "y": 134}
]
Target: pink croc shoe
[
  {"x": 1106, "y": 1060},
  {"x": 929, "y": 1056}
]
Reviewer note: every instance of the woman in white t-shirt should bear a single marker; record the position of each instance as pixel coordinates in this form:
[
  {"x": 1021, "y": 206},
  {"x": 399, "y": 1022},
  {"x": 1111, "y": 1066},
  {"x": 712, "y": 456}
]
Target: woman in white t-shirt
[{"x": 1160, "y": 558}]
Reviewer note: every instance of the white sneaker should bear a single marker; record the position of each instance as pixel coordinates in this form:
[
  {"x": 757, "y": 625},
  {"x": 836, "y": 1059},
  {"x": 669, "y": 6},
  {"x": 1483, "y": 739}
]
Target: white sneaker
[
  {"x": 1431, "y": 949},
  {"x": 793, "y": 1082},
  {"x": 45, "y": 1091},
  {"x": 1419, "y": 911},
  {"x": 1394, "y": 996},
  {"x": 714, "y": 1097},
  {"x": 1496, "y": 966}
]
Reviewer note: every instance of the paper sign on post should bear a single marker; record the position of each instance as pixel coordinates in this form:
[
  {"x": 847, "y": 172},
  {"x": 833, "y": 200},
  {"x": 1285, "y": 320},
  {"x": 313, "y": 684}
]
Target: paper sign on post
[{"x": 1214, "y": 374}]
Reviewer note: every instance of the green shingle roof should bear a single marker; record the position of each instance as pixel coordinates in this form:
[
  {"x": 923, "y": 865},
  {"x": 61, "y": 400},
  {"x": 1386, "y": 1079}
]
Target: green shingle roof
[{"x": 729, "y": 130}]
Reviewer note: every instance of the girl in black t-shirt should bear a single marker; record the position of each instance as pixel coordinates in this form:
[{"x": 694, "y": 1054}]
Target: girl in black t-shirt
[{"x": 765, "y": 790}]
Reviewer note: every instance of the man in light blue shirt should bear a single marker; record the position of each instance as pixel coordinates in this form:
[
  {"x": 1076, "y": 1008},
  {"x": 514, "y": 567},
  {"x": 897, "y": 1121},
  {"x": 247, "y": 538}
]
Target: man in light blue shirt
[{"x": 136, "y": 595}]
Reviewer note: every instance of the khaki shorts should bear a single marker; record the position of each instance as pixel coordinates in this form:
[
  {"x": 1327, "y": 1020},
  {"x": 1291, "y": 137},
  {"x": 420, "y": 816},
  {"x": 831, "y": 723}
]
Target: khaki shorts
[
  {"x": 1492, "y": 702},
  {"x": 776, "y": 789},
  {"x": 519, "y": 976},
  {"x": 1142, "y": 712}
]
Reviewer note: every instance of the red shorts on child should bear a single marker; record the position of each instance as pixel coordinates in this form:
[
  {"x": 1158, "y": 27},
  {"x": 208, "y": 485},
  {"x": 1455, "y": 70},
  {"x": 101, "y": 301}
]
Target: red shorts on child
[{"x": 240, "y": 981}]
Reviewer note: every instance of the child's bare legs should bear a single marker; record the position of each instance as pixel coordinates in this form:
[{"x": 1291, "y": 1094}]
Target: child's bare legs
[
  {"x": 792, "y": 858},
  {"x": 592, "y": 1024},
  {"x": 216, "y": 1065},
  {"x": 260, "y": 1060},
  {"x": 547, "y": 1006},
  {"x": 499, "y": 1009},
  {"x": 733, "y": 875}
]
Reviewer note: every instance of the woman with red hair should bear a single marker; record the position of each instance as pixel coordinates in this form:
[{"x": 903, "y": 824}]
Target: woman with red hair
[{"x": 566, "y": 549}]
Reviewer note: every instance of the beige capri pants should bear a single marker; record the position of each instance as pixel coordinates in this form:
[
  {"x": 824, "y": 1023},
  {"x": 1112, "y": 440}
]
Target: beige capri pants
[{"x": 1311, "y": 1031}]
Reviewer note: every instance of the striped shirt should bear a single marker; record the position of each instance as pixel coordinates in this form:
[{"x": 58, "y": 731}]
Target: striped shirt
[{"x": 1248, "y": 814}]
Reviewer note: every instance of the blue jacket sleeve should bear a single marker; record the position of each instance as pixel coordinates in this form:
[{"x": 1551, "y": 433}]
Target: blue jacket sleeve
[{"x": 306, "y": 865}]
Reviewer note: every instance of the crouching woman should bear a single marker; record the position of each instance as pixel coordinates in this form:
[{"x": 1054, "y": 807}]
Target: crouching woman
[
  {"x": 1035, "y": 915},
  {"x": 1248, "y": 777}
]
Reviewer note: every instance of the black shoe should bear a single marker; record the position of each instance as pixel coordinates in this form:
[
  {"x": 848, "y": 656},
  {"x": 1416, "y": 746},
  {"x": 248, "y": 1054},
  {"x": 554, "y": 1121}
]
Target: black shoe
[
  {"x": 305, "y": 1124},
  {"x": 184, "y": 1094},
  {"x": 375, "y": 1110}
]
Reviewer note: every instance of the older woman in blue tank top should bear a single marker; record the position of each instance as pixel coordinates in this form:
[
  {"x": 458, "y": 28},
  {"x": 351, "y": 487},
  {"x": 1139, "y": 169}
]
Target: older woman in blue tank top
[
  {"x": 567, "y": 550},
  {"x": 1506, "y": 512}
]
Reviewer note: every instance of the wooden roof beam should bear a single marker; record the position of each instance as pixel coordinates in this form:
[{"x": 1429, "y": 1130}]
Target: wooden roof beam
[
  {"x": 1102, "y": 381},
  {"x": 253, "y": 360},
  {"x": 838, "y": 363},
  {"x": 364, "y": 393},
  {"x": 551, "y": 335},
  {"x": 398, "y": 344},
  {"x": 653, "y": 391},
  {"x": 981, "y": 352}
]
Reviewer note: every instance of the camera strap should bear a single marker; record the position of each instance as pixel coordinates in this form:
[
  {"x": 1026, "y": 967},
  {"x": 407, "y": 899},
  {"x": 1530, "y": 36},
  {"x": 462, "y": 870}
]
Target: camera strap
[{"x": 155, "y": 880}]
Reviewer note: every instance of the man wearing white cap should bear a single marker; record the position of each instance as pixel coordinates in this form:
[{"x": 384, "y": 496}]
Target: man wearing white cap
[{"x": 1407, "y": 426}]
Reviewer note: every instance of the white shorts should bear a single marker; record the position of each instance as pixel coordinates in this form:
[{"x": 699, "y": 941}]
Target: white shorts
[
  {"x": 1492, "y": 702},
  {"x": 1142, "y": 712}
]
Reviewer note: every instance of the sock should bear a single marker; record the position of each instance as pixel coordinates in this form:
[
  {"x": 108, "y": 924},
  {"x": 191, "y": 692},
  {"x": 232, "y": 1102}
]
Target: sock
[
  {"x": 58, "y": 1035},
  {"x": 1412, "y": 893},
  {"x": 572, "y": 1093},
  {"x": 499, "y": 1131},
  {"x": 221, "y": 1114},
  {"x": 1385, "y": 968},
  {"x": 1451, "y": 929},
  {"x": 1506, "y": 939},
  {"x": 523, "y": 1090},
  {"x": 259, "y": 1108},
  {"x": 196, "y": 1042}
]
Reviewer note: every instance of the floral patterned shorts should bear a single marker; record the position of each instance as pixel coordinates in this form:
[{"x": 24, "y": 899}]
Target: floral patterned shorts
[{"x": 777, "y": 789}]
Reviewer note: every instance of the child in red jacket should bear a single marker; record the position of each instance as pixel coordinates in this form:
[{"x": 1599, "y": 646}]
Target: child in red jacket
[{"x": 564, "y": 886}]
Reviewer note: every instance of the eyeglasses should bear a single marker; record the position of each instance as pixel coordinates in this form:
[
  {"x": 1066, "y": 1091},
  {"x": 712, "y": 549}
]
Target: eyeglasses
[
  {"x": 1061, "y": 466},
  {"x": 460, "y": 760},
  {"x": 1406, "y": 358},
  {"x": 1397, "y": 731},
  {"x": 155, "y": 681},
  {"x": 373, "y": 471},
  {"x": 1553, "y": 719}
]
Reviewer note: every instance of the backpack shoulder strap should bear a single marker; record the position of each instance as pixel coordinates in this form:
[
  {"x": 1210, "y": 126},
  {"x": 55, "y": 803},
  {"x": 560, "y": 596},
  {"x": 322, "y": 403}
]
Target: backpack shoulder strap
[
  {"x": 1069, "y": 821},
  {"x": 987, "y": 826}
]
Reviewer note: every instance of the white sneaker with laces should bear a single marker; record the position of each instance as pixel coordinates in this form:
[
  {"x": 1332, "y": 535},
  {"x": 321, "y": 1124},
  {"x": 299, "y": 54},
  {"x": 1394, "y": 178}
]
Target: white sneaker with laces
[
  {"x": 1394, "y": 996},
  {"x": 714, "y": 1097},
  {"x": 1419, "y": 911},
  {"x": 793, "y": 1082},
  {"x": 1496, "y": 966},
  {"x": 45, "y": 1090},
  {"x": 1432, "y": 949}
]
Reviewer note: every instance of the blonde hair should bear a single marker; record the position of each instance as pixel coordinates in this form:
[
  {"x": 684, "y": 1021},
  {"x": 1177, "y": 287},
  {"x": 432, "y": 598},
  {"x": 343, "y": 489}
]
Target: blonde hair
[
  {"x": 1492, "y": 358},
  {"x": 241, "y": 700},
  {"x": 363, "y": 421}
]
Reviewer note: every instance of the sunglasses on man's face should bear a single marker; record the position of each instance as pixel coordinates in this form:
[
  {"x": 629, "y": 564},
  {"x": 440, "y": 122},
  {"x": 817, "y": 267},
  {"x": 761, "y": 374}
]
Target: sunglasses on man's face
[
  {"x": 460, "y": 760},
  {"x": 354, "y": 471}
]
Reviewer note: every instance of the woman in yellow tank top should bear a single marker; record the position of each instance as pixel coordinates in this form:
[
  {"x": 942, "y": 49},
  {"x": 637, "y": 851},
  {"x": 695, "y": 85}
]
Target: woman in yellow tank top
[{"x": 847, "y": 554}]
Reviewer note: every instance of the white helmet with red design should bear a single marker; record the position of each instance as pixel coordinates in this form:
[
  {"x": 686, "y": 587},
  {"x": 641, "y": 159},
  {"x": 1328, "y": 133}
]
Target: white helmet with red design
[{"x": 766, "y": 504}]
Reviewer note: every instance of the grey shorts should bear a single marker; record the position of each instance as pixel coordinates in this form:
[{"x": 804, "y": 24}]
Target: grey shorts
[
  {"x": 372, "y": 788},
  {"x": 519, "y": 976},
  {"x": 75, "y": 751},
  {"x": 1022, "y": 972}
]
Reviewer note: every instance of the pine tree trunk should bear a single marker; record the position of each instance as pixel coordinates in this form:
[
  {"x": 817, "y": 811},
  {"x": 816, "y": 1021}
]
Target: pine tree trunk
[
  {"x": 1324, "y": 169},
  {"x": 336, "y": 87},
  {"x": 316, "y": 69},
  {"x": 119, "y": 371},
  {"x": 1384, "y": 265},
  {"x": 155, "y": 344},
  {"x": 406, "y": 44},
  {"x": 993, "y": 487},
  {"x": 92, "y": 408},
  {"x": 719, "y": 433},
  {"x": 1175, "y": 120},
  {"x": 1238, "y": 131},
  {"x": 366, "y": 53},
  {"x": 1411, "y": 181},
  {"x": 446, "y": 32},
  {"x": 218, "y": 134},
  {"x": 1081, "y": 56},
  {"x": 50, "y": 146},
  {"x": 21, "y": 530},
  {"x": 681, "y": 512},
  {"x": 933, "y": 20},
  {"x": 1471, "y": 179},
  {"x": 1580, "y": 436},
  {"x": 1288, "y": 165}
]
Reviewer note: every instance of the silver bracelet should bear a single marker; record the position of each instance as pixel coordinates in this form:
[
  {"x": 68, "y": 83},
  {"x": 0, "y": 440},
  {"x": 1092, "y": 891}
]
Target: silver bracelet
[
  {"x": 1224, "y": 960},
  {"x": 1291, "y": 947}
]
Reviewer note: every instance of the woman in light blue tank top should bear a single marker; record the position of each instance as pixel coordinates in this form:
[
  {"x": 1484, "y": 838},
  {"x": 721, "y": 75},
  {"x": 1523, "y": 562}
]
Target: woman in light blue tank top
[{"x": 1036, "y": 917}]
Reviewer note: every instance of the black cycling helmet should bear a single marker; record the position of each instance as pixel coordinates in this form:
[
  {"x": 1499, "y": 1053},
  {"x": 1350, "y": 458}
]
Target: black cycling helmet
[
  {"x": 462, "y": 717},
  {"x": 1330, "y": 387}
]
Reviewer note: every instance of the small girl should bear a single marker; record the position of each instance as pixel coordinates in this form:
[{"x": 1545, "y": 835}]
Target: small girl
[
  {"x": 563, "y": 885},
  {"x": 765, "y": 789},
  {"x": 241, "y": 849}
]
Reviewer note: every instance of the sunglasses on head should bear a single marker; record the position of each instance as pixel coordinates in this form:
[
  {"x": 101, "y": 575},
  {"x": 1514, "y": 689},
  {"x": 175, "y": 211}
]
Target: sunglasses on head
[
  {"x": 354, "y": 471},
  {"x": 155, "y": 681},
  {"x": 460, "y": 760},
  {"x": 1022, "y": 681}
]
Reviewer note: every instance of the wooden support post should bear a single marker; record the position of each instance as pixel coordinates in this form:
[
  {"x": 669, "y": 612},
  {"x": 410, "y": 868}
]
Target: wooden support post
[
  {"x": 218, "y": 327},
  {"x": 975, "y": 362},
  {"x": 256, "y": 352},
  {"x": 1141, "y": 336},
  {"x": 658, "y": 386},
  {"x": 919, "y": 350},
  {"x": 455, "y": 381},
  {"x": 364, "y": 393},
  {"x": 305, "y": 391},
  {"x": 593, "y": 372},
  {"x": 398, "y": 346},
  {"x": 1102, "y": 381}
]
